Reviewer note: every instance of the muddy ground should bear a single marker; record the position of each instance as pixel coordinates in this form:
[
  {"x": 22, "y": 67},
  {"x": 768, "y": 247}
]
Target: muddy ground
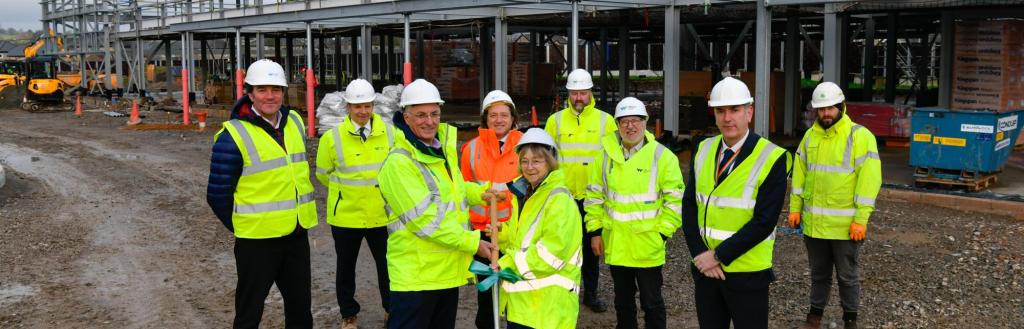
[{"x": 104, "y": 227}]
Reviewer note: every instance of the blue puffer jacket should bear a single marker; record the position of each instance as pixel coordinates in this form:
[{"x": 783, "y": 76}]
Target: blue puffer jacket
[{"x": 226, "y": 161}]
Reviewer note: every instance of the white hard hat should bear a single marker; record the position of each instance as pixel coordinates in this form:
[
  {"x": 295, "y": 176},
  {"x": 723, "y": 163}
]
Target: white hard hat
[
  {"x": 420, "y": 92},
  {"x": 579, "y": 79},
  {"x": 359, "y": 91},
  {"x": 496, "y": 96},
  {"x": 537, "y": 136},
  {"x": 265, "y": 72},
  {"x": 826, "y": 94},
  {"x": 729, "y": 92},
  {"x": 630, "y": 106}
]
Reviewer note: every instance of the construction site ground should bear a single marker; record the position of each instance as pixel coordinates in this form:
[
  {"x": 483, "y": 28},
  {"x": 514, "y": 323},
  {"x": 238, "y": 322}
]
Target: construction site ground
[{"x": 107, "y": 227}]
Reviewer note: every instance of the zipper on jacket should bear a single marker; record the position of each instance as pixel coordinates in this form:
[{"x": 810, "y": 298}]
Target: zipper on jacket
[{"x": 336, "y": 203}]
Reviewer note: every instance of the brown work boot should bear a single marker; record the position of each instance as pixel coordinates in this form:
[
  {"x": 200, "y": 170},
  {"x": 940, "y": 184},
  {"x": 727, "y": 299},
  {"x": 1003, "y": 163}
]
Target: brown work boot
[
  {"x": 349, "y": 323},
  {"x": 386, "y": 315},
  {"x": 813, "y": 321}
]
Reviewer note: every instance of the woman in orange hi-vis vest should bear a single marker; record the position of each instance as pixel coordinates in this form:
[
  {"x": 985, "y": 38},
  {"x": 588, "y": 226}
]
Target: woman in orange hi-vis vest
[{"x": 491, "y": 158}]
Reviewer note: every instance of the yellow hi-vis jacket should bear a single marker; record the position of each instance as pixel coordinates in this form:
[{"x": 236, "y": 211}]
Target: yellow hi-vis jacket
[
  {"x": 724, "y": 210},
  {"x": 430, "y": 243},
  {"x": 348, "y": 166},
  {"x": 544, "y": 246},
  {"x": 274, "y": 190},
  {"x": 633, "y": 216},
  {"x": 579, "y": 142},
  {"x": 836, "y": 179}
]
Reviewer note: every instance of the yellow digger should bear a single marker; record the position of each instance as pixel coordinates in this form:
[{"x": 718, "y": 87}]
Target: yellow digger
[
  {"x": 43, "y": 88},
  {"x": 11, "y": 78}
]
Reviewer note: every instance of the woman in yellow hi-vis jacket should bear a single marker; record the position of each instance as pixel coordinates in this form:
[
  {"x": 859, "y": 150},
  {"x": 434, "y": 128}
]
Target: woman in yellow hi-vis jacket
[{"x": 543, "y": 243}]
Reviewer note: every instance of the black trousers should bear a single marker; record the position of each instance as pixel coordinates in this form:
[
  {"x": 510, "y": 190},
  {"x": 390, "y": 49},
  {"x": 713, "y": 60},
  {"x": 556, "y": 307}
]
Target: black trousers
[
  {"x": 282, "y": 261},
  {"x": 649, "y": 280},
  {"x": 824, "y": 255},
  {"x": 484, "y": 312},
  {"x": 590, "y": 270},
  {"x": 741, "y": 299},
  {"x": 347, "y": 242},
  {"x": 432, "y": 309}
]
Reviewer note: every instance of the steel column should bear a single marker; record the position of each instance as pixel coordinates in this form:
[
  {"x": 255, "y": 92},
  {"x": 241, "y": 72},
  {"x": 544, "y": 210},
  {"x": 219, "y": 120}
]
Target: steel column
[
  {"x": 367, "y": 53},
  {"x": 574, "y": 36},
  {"x": 500, "y": 54},
  {"x": 868, "y": 71},
  {"x": 792, "y": 79},
  {"x": 671, "y": 68},
  {"x": 763, "y": 64},
  {"x": 946, "y": 60},
  {"x": 830, "y": 45}
]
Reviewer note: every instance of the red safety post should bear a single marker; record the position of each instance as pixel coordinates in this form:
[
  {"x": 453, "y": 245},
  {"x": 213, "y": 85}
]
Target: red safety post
[
  {"x": 184, "y": 97},
  {"x": 407, "y": 73},
  {"x": 310, "y": 113},
  {"x": 657, "y": 128},
  {"x": 78, "y": 105},
  {"x": 239, "y": 77},
  {"x": 134, "y": 118}
]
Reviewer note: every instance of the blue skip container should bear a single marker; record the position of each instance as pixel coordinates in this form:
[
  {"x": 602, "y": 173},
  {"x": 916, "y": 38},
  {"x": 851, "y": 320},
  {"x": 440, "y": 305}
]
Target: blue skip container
[{"x": 957, "y": 143}]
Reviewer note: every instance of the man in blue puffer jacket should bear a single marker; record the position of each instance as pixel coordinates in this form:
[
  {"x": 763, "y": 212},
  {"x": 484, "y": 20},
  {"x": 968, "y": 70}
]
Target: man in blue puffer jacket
[{"x": 260, "y": 189}]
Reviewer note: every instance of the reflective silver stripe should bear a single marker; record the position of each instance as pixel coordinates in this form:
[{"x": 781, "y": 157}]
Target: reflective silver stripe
[
  {"x": 297, "y": 121},
  {"x": 864, "y": 200},
  {"x": 830, "y": 211},
  {"x": 520, "y": 257},
  {"x": 674, "y": 193},
  {"x": 354, "y": 182},
  {"x": 337, "y": 145},
  {"x": 592, "y": 201},
  {"x": 648, "y": 197},
  {"x": 433, "y": 197},
  {"x": 298, "y": 157},
  {"x": 860, "y": 160},
  {"x": 675, "y": 207},
  {"x": 323, "y": 171},
  {"x": 723, "y": 235},
  {"x": 652, "y": 185},
  {"x": 553, "y": 280},
  {"x": 391, "y": 134},
  {"x": 595, "y": 188},
  {"x": 849, "y": 145},
  {"x": 604, "y": 122},
  {"x": 548, "y": 257},
  {"x": 258, "y": 167},
  {"x": 577, "y": 159},
  {"x": 250, "y": 145},
  {"x": 702, "y": 155},
  {"x": 558, "y": 127},
  {"x": 473, "y": 156},
  {"x": 829, "y": 168},
  {"x": 726, "y": 202},
  {"x": 798, "y": 190},
  {"x": 483, "y": 211},
  {"x": 272, "y": 206},
  {"x": 803, "y": 155},
  {"x": 631, "y": 215},
  {"x": 579, "y": 147},
  {"x": 359, "y": 168}
]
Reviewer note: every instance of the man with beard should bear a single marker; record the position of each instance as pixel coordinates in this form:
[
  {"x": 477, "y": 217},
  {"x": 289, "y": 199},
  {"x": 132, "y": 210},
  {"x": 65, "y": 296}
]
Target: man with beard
[
  {"x": 835, "y": 181},
  {"x": 578, "y": 130}
]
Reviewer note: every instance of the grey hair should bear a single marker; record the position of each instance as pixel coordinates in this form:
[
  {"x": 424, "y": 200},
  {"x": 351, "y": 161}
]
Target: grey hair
[{"x": 546, "y": 151}]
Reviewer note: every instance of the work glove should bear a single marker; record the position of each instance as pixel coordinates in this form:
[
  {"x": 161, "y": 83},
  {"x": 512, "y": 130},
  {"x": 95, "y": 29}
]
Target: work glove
[
  {"x": 794, "y": 219},
  {"x": 858, "y": 231}
]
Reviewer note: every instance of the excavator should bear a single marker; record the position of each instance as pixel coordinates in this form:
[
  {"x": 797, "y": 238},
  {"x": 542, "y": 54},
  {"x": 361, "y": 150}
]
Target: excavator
[
  {"x": 12, "y": 76},
  {"x": 43, "y": 88}
]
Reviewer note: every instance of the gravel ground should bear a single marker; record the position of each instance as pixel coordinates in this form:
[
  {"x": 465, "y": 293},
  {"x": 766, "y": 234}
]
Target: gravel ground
[{"x": 103, "y": 227}]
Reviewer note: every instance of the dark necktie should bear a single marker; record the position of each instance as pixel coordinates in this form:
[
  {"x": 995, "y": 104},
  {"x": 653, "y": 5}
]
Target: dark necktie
[
  {"x": 362, "y": 133},
  {"x": 726, "y": 156},
  {"x": 501, "y": 146}
]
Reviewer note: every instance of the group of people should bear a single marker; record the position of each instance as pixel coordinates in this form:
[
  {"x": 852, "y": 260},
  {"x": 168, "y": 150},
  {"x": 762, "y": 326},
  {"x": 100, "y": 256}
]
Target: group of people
[{"x": 544, "y": 205}]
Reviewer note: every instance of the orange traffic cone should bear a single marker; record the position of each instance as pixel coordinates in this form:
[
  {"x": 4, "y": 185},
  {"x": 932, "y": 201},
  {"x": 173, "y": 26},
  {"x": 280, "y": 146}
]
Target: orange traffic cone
[
  {"x": 202, "y": 120},
  {"x": 78, "y": 105},
  {"x": 134, "y": 119},
  {"x": 533, "y": 117}
]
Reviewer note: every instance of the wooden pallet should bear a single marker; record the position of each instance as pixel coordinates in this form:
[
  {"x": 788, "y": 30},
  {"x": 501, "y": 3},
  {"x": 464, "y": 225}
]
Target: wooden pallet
[
  {"x": 953, "y": 179},
  {"x": 897, "y": 142}
]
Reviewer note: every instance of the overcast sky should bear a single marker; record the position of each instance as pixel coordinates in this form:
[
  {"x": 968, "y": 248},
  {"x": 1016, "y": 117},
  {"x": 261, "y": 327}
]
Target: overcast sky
[{"x": 21, "y": 14}]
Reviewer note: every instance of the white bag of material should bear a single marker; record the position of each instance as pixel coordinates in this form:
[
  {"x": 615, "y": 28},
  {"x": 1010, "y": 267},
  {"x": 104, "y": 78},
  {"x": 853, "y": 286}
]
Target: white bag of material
[{"x": 333, "y": 109}]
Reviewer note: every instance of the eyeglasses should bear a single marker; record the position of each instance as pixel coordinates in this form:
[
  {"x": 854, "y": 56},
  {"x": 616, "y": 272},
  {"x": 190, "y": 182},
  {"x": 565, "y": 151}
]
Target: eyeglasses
[
  {"x": 532, "y": 163},
  {"x": 424, "y": 116},
  {"x": 633, "y": 122}
]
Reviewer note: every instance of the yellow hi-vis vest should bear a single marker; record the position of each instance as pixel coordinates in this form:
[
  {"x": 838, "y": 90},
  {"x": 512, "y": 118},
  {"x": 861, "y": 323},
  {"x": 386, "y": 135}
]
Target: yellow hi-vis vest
[
  {"x": 546, "y": 249},
  {"x": 836, "y": 179},
  {"x": 723, "y": 210},
  {"x": 274, "y": 190},
  {"x": 348, "y": 166},
  {"x": 430, "y": 243},
  {"x": 633, "y": 215},
  {"x": 579, "y": 143}
]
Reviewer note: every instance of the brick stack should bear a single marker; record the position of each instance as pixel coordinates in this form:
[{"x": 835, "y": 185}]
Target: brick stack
[{"x": 988, "y": 69}]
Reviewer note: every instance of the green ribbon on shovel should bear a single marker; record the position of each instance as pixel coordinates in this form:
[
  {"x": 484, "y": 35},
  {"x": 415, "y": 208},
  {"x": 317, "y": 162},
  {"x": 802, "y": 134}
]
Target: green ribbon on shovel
[{"x": 479, "y": 268}]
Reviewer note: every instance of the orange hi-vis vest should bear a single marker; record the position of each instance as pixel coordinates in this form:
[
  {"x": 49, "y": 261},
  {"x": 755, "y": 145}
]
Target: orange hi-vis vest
[{"x": 482, "y": 162}]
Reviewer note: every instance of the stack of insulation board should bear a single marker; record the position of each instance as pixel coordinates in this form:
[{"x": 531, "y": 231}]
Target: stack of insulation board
[{"x": 988, "y": 69}]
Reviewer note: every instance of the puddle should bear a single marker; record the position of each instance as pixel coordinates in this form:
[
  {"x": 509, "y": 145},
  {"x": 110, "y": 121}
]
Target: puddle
[{"x": 13, "y": 293}]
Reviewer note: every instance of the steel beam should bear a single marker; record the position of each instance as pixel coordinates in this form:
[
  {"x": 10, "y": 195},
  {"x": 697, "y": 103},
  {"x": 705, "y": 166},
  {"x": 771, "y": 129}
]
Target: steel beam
[
  {"x": 792, "y": 80},
  {"x": 574, "y": 40},
  {"x": 671, "y": 68},
  {"x": 367, "y": 53},
  {"x": 946, "y": 60},
  {"x": 763, "y": 64},
  {"x": 500, "y": 53},
  {"x": 832, "y": 56},
  {"x": 868, "y": 72},
  {"x": 891, "y": 73}
]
